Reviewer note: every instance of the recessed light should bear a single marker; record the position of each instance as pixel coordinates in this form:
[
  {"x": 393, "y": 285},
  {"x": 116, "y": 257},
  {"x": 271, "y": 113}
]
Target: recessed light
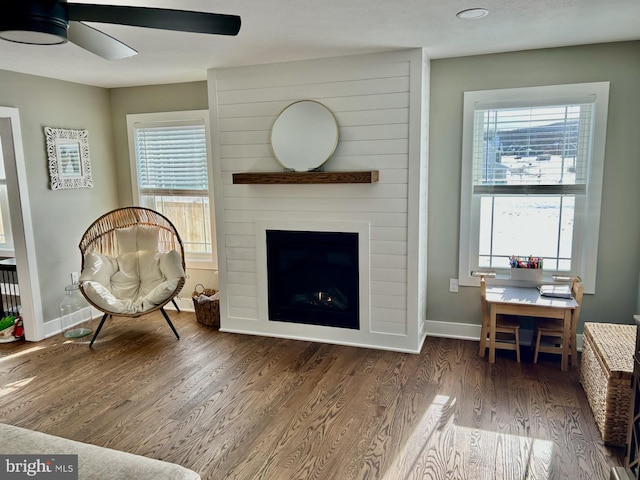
[{"x": 472, "y": 13}]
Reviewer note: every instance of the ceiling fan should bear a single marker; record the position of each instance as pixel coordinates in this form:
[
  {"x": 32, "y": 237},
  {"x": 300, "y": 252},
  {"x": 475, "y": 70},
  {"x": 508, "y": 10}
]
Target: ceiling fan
[{"x": 50, "y": 22}]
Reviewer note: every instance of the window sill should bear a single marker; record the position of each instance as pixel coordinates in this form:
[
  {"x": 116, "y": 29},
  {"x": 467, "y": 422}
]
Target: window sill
[
  {"x": 499, "y": 279},
  {"x": 200, "y": 265}
]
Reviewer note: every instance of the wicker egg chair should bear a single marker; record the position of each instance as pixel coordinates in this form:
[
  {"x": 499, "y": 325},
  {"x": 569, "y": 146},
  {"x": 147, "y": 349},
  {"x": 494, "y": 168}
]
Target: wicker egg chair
[{"x": 104, "y": 238}]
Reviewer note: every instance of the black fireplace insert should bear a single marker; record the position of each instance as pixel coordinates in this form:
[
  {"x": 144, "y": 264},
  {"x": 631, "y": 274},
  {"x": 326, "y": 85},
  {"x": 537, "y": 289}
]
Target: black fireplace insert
[{"x": 313, "y": 278}]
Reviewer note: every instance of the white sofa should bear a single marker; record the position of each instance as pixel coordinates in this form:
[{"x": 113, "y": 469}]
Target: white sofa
[{"x": 94, "y": 463}]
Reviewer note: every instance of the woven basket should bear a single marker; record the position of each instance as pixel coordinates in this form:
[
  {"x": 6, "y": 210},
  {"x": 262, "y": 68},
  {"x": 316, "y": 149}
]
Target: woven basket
[
  {"x": 207, "y": 313},
  {"x": 605, "y": 374}
]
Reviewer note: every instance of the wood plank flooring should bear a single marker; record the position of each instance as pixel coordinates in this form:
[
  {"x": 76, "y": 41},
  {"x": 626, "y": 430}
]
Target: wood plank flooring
[{"x": 242, "y": 407}]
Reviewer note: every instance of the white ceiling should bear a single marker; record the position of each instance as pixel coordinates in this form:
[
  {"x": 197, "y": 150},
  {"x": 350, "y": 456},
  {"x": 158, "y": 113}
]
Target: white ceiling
[{"x": 285, "y": 30}]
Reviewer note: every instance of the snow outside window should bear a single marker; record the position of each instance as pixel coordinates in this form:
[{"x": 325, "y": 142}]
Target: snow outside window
[{"x": 532, "y": 178}]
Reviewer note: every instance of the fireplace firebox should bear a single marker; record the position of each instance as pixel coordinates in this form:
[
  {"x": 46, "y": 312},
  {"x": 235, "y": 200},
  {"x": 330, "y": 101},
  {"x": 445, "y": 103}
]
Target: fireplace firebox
[{"x": 313, "y": 278}]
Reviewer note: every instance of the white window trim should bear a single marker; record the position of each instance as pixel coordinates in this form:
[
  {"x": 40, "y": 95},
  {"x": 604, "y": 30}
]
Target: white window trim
[
  {"x": 148, "y": 119},
  {"x": 587, "y": 228},
  {"x": 6, "y": 248}
]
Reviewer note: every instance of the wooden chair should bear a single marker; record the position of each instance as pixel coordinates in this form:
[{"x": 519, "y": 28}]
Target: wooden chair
[
  {"x": 551, "y": 330},
  {"x": 507, "y": 327},
  {"x": 111, "y": 237}
]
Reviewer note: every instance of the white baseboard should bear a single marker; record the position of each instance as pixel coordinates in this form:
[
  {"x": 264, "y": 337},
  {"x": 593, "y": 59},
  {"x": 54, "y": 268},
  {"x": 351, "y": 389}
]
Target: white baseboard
[
  {"x": 54, "y": 326},
  {"x": 468, "y": 331},
  {"x": 434, "y": 328},
  {"x": 185, "y": 304}
]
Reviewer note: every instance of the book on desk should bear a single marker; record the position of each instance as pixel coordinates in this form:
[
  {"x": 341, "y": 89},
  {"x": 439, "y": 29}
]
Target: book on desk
[{"x": 556, "y": 291}]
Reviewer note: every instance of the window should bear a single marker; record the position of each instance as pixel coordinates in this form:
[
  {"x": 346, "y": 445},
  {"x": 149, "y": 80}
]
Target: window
[
  {"x": 6, "y": 237},
  {"x": 532, "y": 178},
  {"x": 171, "y": 175}
]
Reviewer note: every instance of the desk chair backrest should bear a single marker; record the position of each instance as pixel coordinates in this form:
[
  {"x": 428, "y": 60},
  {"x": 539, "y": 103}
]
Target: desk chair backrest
[
  {"x": 578, "y": 290},
  {"x": 553, "y": 332},
  {"x": 504, "y": 325},
  {"x": 483, "y": 300}
]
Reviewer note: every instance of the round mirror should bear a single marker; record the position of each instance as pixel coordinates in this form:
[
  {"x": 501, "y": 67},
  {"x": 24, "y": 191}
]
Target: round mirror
[{"x": 304, "y": 136}]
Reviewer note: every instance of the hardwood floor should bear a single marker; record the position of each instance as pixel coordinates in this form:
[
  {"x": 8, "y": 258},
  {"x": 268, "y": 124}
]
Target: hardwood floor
[{"x": 241, "y": 407}]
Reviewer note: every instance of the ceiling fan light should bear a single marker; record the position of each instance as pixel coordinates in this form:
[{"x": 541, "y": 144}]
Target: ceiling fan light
[
  {"x": 33, "y": 37},
  {"x": 36, "y": 24}
]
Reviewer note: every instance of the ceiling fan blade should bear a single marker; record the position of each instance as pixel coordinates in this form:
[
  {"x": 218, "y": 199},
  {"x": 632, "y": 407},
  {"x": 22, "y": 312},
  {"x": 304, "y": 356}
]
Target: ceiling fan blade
[
  {"x": 98, "y": 42},
  {"x": 167, "y": 19}
]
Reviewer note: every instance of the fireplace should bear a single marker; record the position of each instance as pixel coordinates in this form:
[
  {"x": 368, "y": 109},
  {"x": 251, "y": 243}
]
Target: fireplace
[{"x": 312, "y": 278}]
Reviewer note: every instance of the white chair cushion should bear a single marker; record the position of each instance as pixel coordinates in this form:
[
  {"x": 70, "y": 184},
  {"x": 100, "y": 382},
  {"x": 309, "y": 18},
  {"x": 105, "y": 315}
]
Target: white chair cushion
[
  {"x": 139, "y": 279},
  {"x": 105, "y": 300},
  {"x": 136, "y": 238},
  {"x": 98, "y": 268},
  {"x": 131, "y": 283},
  {"x": 171, "y": 264},
  {"x": 158, "y": 295},
  {"x": 127, "y": 239},
  {"x": 148, "y": 238},
  {"x": 149, "y": 270},
  {"x": 125, "y": 282}
]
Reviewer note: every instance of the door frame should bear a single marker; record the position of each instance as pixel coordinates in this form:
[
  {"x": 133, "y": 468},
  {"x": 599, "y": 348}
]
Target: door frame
[{"x": 21, "y": 223}]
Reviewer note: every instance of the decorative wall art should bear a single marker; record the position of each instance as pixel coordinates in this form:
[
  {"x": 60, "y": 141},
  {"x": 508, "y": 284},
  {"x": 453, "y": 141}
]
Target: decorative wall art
[
  {"x": 68, "y": 154},
  {"x": 304, "y": 136}
]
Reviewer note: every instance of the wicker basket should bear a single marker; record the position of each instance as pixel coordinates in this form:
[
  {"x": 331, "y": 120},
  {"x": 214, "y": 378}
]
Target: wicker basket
[
  {"x": 207, "y": 313},
  {"x": 605, "y": 374}
]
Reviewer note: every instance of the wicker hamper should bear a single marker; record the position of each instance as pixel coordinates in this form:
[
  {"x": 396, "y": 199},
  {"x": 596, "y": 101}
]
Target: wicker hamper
[
  {"x": 207, "y": 313},
  {"x": 605, "y": 374}
]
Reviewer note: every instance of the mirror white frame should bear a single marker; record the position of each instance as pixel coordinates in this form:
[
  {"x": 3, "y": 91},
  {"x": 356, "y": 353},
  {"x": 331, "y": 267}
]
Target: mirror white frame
[
  {"x": 68, "y": 154},
  {"x": 304, "y": 136}
]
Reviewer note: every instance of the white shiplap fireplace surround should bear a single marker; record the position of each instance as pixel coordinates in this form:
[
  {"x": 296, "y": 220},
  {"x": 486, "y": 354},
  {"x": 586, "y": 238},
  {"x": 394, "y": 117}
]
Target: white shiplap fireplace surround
[{"x": 380, "y": 102}]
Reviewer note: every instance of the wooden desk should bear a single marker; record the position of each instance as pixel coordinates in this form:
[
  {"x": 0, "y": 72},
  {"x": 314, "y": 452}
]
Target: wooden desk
[{"x": 528, "y": 302}]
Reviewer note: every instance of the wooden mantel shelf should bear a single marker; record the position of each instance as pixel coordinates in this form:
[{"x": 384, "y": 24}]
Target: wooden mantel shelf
[{"x": 273, "y": 178}]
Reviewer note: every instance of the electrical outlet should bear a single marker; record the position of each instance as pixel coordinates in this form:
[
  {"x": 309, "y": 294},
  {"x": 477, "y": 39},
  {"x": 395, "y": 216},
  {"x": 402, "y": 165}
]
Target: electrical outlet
[
  {"x": 453, "y": 285},
  {"x": 74, "y": 277}
]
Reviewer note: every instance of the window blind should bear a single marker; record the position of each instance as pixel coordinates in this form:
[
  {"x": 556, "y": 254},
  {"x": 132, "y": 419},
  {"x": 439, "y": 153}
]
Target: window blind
[
  {"x": 3, "y": 175},
  {"x": 171, "y": 159},
  {"x": 532, "y": 150}
]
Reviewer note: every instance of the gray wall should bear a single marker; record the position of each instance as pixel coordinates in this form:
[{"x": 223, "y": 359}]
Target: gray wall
[
  {"x": 60, "y": 217},
  {"x": 618, "y": 255},
  {"x": 151, "y": 99}
]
